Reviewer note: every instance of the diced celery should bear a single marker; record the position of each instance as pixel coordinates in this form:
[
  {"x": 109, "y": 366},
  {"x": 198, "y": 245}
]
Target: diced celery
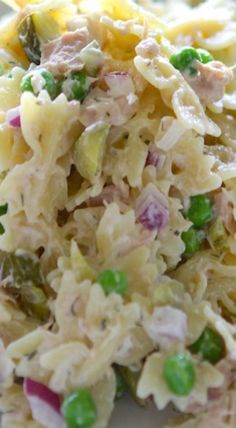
[{"x": 21, "y": 268}]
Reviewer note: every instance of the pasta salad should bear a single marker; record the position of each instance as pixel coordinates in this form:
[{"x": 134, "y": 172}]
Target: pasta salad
[{"x": 118, "y": 211}]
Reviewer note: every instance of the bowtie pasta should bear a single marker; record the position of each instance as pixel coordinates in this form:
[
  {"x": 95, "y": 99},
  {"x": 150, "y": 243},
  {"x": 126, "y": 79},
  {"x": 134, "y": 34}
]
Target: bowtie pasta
[{"x": 117, "y": 211}]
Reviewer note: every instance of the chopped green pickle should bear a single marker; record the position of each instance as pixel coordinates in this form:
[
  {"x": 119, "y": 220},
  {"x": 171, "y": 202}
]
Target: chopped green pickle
[
  {"x": 2, "y": 229},
  {"x": 209, "y": 345},
  {"x": 120, "y": 385},
  {"x": 21, "y": 268},
  {"x": 200, "y": 211},
  {"x": 179, "y": 374},
  {"x": 113, "y": 281},
  {"x": 3, "y": 209},
  {"x": 79, "y": 410},
  {"x": 29, "y": 40},
  {"x": 23, "y": 278},
  {"x": 34, "y": 295},
  {"x": 193, "y": 240}
]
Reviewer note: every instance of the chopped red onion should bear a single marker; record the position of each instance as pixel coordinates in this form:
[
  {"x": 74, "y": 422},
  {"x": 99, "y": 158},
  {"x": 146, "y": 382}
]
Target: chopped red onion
[
  {"x": 44, "y": 403},
  {"x": 152, "y": 208},
  {"x": 119, "y": 83},
  {"x": 155, "y": 157},
  {"x": 13, "y": 117}
]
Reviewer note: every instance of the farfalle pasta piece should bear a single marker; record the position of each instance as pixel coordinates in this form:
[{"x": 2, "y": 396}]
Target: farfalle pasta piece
[
  {"x": 103, "y": 394},
  {"x": 190, "y": 112},
  {"x": 46, "y": 144},
  {"x": 135, "y": 346},
  {"x": 117, "y": 227},
  {"x": 10, "y": 90},
  {"x": 186, "y": 105},
  {"x": 64, "y": 362},
  {"x": 222, "y": 39},
  {"x": 152, "y": 383},
  {"x": 185, "y": 157},
  {"x": 164, "y": 137},
  {"x": 170, "y": 136},
  {"x": 15, "y": 409},
  {"x": 78, "y": 264},
  {"x": 125, "y": 10},
  {"x": 226, "y": 124},
  {"x": 6, "y": 368},
  {"x": 142, "y": 271},
  {"x": 217, "y": 410},
  {"x": 69, "y": 305},
  {"x": 99, "y": 358},
  {"x": 196, "y": 22}
]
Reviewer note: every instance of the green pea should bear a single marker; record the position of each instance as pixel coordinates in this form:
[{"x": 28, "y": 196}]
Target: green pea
[
  {"x": 79, "y": 410},
  {"x": 200, "y": 211},
  {"x": 209, "y": 345},
  {"x": 76, "y": 86},
  {"x": 205, "y": 56},
  {"x": 26, "y": 84},
  {"x": 183, "y": 60},
  {"x": 120, "y": 385},
  {"x": 179, "y": 374},
  {"x": 113, "y": 281},
  {"x": 3, "y": 209},
  {"x": 193, "y": 240},
  {"x": 48, "y": 83}
]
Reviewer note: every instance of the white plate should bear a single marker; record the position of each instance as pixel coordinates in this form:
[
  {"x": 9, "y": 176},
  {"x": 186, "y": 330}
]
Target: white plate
[
  {"x": 3, "y": 9},
  {"x": 127, "y": 414}
]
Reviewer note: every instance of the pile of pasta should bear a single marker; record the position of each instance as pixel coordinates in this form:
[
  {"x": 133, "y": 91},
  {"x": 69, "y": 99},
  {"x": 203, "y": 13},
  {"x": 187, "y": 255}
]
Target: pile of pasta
[{"x": 75, "y": 226}]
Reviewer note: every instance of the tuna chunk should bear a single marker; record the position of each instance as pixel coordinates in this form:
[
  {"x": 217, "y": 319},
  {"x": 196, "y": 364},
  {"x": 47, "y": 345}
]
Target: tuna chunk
[
  {"x": 210, "y": 81},
  {"x": 100, "y": 106},
  {"x": 62, "y": 55}
]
